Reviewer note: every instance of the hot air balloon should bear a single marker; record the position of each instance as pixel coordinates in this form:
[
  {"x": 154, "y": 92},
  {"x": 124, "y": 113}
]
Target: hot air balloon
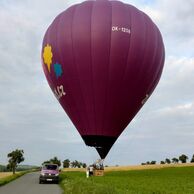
[{"x": 102, "y": 60}]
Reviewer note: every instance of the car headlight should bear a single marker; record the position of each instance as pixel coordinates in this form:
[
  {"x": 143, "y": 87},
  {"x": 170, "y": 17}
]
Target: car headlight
[
  {"x": 56, "y": 174},
  {"x": 42, "y": 174}
]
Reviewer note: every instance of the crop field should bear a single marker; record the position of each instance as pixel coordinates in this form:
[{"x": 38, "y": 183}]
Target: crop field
[
  {"x": 170, "y": 180},
  {"x": 5, "y": 174},
  {"x": 6, "y": 177},
  {"x": 143, "y": 167},
  {"x": 134, "y": 167}
]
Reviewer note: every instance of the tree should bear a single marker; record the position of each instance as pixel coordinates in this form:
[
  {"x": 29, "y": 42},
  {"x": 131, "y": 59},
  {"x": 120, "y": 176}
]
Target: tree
[
  {"x": 192, "y": 160},
  {"x": 162, "y": 162},
  {"x": 54, "y": 160},
  {"x": 66, "y": 163},
  {"x": 46, "y": 162},
  {"x": 183, "y": 158},
  {"x": 153, "y": 162},
  {"x": 76, "y": 163},
  {"x": 167, "y": 161},
  {"x": 15, "y": 157},
  {"x": 175, "y": 160},
  {"x": 84, "y": 165}
]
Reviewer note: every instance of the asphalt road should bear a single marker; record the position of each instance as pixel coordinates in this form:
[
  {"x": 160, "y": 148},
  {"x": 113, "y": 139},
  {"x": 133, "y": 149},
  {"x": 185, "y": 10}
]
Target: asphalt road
[{"x": 29, "y": 184}]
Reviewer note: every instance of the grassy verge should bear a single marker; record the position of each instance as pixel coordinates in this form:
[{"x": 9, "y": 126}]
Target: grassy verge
[{"x": 151, "y": 181}]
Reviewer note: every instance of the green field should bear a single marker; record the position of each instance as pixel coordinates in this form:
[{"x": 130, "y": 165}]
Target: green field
[{"x": 156, "y": 181}]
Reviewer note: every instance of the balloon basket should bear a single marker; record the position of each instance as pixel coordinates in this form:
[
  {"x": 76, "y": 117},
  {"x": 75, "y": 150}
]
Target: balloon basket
[
  {"x": 98, "y": 168},
  {"x": 98, "y": 172}
]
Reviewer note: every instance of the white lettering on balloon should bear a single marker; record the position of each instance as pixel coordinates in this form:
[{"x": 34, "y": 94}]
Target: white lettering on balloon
[
  {"x": 59, "y": 92},
  {"x": 121, "y": 29}
]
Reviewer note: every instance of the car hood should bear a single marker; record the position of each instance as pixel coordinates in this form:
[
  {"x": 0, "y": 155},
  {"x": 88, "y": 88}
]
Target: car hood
[{"x": 50, "y": 171}]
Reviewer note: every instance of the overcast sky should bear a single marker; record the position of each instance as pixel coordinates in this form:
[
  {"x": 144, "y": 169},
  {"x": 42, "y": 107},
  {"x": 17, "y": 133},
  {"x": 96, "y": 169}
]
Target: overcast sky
[{"x": 32, "y": 119}]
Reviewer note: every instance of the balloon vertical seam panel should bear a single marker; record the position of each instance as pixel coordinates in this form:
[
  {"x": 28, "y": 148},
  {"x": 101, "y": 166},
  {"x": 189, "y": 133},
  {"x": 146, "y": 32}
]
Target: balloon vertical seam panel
[
  {"x": 82, "y": 63},
  {"x": 156, "y": 78},
  {"x": 118, "y": 56},
  {"x": 151, "y": 48},
  {"x": 70, "y": 102},
  {"x": 92, "y": 75},
  {"x": 101, "y": 28},
  {"x": 64, "y": 35}
]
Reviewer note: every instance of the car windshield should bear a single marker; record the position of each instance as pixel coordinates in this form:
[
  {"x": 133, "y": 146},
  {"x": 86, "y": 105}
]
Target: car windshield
[{"x": 50, "y": 167}]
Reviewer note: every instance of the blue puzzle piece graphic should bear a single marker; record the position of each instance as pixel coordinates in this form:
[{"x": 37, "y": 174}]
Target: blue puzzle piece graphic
[{"x": 58, "y": 70}]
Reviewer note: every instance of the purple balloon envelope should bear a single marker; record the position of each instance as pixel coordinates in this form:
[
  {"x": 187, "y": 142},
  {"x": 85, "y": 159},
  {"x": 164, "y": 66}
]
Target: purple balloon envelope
[{"x": 102, "y": 60}]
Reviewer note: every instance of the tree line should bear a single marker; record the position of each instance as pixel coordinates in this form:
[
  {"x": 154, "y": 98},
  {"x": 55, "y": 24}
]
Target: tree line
[
  {"x": 66, "y": 163},
  {"x": 17, "y": 156},
  {"x": 182, "y": 159}
]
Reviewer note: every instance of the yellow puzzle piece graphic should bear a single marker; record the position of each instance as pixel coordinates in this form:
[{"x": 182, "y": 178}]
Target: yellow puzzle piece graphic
[{"x": 47, "y": 56}]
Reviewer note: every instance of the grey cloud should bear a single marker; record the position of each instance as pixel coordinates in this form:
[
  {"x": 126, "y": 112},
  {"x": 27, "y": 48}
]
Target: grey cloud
[{"x": 175, "y": 20}]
